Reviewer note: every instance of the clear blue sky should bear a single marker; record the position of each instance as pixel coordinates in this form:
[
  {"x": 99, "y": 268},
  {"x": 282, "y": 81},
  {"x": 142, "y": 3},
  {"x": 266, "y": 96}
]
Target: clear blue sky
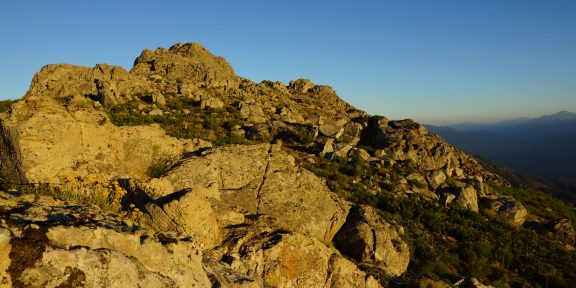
[{"x": 430, "y": 60}]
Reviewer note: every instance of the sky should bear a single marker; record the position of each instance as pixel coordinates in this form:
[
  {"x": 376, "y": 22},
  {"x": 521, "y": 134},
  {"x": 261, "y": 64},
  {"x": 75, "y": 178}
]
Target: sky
[{"x": 435, "y": 61}]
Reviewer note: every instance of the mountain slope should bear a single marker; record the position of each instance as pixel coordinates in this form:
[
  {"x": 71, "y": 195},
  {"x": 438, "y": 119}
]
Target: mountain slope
[{"x": 280, "y": 185}]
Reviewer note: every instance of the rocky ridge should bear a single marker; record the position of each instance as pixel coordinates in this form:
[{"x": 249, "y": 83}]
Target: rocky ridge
[{"x": 247, "y": 215}]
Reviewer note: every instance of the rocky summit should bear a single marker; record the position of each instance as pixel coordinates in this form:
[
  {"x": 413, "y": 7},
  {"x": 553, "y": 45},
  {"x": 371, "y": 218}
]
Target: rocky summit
[{"x": 180, "y": 173}]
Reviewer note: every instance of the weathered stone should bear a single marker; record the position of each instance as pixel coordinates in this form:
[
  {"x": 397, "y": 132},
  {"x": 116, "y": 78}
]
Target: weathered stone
[
  {"x": 158, "y": 99},
  {"x": 187, "y": 63},
  {"x": 363, "y": 154},
  {"x": 253, "y": 113},
  {"x": 563, "y": 231},
  {"x": 351, "y": 133},
  {"x": 49, "y": 138},
  {"x": 406, "y": 140},
  {"x": 331, "y": 130},
  {"x": 417, "y": 181},
  {"x": 466, "y": 198},
  {"x": 471, "y": 283},
  {"x": 290, "y": 116},
  {"x": 436, "y": 178},
  {"x": 212, "y": 103},
  {"x": 156, "y": 188},
  {"x": 341, "y": 150},
  {"x": 367, "y": 238},
  {"x": 51, "y": 247},
  {"x": 504, "y": 208},
  {"x": 184, "y": 212},
  {"x": 275, "y": 258},
  {"x": 327, "y": 148},
  {"x": 300, "y": 86},
  {"x": 262, "y": 179},
  {"x": 156, "y": 112},
  {"x": 277, "y": 85}
]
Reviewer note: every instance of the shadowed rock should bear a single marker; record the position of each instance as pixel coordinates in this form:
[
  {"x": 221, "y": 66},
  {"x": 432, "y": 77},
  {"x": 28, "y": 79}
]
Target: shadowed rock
[{"x": 367, "y": 238}]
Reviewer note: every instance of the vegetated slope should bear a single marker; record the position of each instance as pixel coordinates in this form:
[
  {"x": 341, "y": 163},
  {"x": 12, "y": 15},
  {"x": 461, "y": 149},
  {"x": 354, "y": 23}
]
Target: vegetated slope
[
  {"x": 542, "y": 146},
  {"x": 166, "y": 130},
  {"x": 5, "y": 105}
]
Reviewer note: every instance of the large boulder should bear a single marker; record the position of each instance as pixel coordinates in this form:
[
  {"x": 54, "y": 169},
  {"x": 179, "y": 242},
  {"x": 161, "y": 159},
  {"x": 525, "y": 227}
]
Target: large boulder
[
  {"x": 262, "y": 179},
  {"x": 48, "y": 243},
  {"x": 47, "y": 138},
  {"x": 300, "y": 86},
  {"x": 253, "y": 113},
  {"x": 185, "y": 212},
  {"x": 368, "y": 239},
  {"x": 504, "y": 208},
  {"x": 466, "y": 197}
]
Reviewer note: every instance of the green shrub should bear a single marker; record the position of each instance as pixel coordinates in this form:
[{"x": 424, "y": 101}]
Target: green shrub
[
  {"x": 212, "y": 123},
  {"x": 159, "y": 167},
  {"x": 232, "y": 139},
  {"x": 65, "y": 100}
]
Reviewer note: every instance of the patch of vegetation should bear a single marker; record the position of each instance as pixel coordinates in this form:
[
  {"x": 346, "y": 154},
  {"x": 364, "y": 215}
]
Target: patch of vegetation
[
  {"x": 108, "y": 195},
  {"x": 65, "y": 100},
  {"x": 298, "y": 135},
  {"x": 349, "y": 177},
  {"x": 182, "y": 118},
  {"x": 159, "y": 168},
  {"x": 6, "y": 104}
]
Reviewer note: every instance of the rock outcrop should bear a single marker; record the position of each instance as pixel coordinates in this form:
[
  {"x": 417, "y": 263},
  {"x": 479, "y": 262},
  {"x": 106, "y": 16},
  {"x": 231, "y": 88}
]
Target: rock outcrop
[
  {"x": 189, "y": 64},
  {"x": 49, "y": 243},
  {"x": 368, "y": 239},
  {"x": 262, "y": 180},
  {"x": 233, "y": 216},
  {"x": 48, "y": 138},
  {"x": 277, "y": 258},
  {"x": 186, "y": 213},
  {"x": 409, "y": 141}
]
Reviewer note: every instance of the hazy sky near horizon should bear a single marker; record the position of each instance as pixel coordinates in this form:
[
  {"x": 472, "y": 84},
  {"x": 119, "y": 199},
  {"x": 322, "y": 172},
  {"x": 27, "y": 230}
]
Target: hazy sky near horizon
[{"x": 434, "y": 61}]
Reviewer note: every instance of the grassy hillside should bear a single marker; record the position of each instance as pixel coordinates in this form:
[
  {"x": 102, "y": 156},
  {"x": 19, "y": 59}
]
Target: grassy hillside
[{"x": 448, "y": 243}]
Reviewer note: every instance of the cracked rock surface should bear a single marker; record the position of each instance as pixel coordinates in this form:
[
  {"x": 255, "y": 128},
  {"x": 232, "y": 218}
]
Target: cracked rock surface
[
  {"x": 50, "y": 243},
  {"x": 262, "y": 179},
  {"x": 367, "y": 238}
]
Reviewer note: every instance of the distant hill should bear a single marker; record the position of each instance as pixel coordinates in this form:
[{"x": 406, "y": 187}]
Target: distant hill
[{"x": 543, "y": 146}]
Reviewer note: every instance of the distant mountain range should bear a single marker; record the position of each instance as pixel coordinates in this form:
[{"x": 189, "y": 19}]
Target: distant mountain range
[{"x": 544, "y": 146}]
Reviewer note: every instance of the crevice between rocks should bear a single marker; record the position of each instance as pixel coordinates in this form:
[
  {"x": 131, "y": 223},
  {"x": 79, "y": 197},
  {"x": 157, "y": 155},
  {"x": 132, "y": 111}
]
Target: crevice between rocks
[
  {"x": 258, "y": 196},
  {"x": 374, "y": 244}
]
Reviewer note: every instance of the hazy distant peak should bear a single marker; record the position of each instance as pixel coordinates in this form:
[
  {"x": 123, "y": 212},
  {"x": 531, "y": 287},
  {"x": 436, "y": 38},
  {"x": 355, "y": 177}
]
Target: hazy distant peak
[{"x": 562, "y": 116}]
